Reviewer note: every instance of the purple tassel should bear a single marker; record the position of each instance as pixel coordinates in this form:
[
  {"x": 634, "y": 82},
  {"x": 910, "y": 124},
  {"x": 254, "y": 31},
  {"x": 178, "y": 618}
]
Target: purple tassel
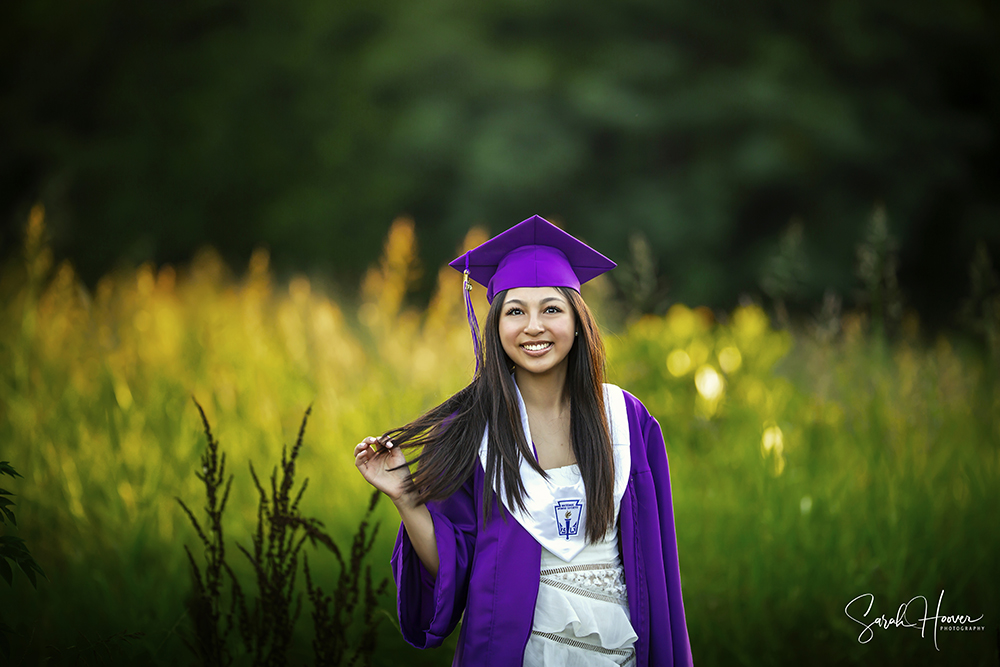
[{"x": 470, "y": 312}]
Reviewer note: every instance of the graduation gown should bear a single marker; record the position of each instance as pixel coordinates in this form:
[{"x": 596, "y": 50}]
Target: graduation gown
[{"x": 490, "y": 571}]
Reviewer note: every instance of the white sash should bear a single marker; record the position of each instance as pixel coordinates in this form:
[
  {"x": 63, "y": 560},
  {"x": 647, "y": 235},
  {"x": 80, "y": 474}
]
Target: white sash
[{"x": 555, "y": 508}]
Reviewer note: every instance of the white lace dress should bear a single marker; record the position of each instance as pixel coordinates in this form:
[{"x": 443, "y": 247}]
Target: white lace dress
[{"x": 581, "y": 613}]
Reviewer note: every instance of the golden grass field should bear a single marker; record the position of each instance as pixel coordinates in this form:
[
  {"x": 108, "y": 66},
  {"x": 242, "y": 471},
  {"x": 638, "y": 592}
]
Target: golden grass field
[{"x": 809, "y": 466}]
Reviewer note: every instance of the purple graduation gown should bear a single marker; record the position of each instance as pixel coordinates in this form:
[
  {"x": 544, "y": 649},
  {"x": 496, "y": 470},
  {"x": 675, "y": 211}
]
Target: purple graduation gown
[{"x": 490, "y": 571}]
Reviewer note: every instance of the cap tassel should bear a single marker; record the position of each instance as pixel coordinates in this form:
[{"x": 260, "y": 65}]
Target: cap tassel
[{"x": 470, "y": 313}]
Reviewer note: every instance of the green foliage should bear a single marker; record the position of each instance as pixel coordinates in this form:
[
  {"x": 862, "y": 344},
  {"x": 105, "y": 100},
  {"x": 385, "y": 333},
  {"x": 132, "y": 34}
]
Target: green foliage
[
  {"x": 644, "y": 286},
  {"x": 98, "y": 650},
  {"x": 878, "y": 268},
  {"x": 14, "y": 550},
  {"x": 980, "y": 311},
  {"x": 784, "y": 273},
  {"x": 7, "y": 514}
]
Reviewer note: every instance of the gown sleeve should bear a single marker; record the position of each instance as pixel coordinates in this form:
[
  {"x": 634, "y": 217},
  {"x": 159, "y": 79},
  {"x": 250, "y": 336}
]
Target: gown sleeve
[
  {"x": 679, "y": 648},
  {"x": 429, "y": 608}
]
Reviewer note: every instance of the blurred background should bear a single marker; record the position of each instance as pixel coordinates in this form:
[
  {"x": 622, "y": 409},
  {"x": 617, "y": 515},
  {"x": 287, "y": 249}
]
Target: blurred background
[
  {"x": 706, "y": 129},
  {"x": 249, "y": 204}
]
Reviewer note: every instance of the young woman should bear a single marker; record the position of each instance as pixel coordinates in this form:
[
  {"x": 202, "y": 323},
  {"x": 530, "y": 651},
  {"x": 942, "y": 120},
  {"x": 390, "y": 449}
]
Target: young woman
[{"x": 539, "y": 514}]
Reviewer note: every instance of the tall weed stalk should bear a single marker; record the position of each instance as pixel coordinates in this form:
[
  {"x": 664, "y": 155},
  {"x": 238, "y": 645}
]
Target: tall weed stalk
[
  {"x": 205, "y": 603},
  {"x": 266, "y": 626}
]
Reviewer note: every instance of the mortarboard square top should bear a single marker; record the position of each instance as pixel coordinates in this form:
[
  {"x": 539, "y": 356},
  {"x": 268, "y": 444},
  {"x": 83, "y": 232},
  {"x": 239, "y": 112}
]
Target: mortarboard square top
[{"x": 533, "y": 253}]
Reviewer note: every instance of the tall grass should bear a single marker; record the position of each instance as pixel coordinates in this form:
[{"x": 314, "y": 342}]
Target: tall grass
[
  {"x": 821, "y": 472},
  {"x": 807, "y": 469}
]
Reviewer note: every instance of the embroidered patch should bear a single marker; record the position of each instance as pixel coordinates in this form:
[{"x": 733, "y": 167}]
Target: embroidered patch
[{"x": 568, "y": 517}]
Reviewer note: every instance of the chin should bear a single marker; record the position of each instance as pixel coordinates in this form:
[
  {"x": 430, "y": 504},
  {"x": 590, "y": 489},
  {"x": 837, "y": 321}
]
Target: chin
[{"x": 542, "y": 369}]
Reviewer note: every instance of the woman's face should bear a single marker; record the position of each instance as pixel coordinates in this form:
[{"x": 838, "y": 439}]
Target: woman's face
[{"x": 537, "y": 328}]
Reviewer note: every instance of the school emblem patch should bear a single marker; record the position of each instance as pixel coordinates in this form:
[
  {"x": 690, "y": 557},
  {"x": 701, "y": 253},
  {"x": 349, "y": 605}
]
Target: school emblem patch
[{"x": 568, "y": 517}]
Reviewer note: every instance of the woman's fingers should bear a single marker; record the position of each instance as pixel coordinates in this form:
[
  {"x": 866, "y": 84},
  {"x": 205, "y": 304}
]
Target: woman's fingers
[
  {"x": 368, "y": 443},
  {"x": 368, "y": 449},
  {"x": 373, "y": 445}
]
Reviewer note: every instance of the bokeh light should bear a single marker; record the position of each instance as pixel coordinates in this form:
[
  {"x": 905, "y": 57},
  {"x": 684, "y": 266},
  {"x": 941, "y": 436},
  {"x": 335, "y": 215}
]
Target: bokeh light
[
  {"x": 709, "y": 383},
  {"x": 678, "y": 363}
]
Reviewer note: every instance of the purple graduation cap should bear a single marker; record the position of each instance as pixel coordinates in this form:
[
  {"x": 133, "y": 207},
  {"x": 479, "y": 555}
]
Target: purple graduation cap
[{"x": 533, "y": 253}]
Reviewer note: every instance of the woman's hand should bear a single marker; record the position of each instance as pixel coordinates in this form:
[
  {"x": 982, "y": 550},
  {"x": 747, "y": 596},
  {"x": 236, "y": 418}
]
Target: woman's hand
[{"x": 377, "y": 467}]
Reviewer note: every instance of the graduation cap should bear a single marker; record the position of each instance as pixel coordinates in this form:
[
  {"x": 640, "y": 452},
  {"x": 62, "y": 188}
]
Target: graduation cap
[{"x": 532, "y": 253}]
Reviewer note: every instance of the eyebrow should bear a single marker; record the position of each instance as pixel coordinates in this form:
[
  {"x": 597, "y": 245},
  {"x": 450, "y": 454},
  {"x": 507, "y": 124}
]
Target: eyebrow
[{"x": 542, "y": 302}]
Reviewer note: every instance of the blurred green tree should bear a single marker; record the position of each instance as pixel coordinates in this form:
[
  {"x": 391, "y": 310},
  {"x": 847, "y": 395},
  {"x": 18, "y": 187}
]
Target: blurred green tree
[{"x": 148, "y": 130}]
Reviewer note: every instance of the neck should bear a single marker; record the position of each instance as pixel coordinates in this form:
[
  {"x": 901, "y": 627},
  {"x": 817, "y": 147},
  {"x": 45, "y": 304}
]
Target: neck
[{"x": 543, "y": 392}]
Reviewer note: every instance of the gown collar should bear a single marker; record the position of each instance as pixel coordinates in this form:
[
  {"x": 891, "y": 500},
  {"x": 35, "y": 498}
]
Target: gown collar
[{"x": 555, "y": 508}]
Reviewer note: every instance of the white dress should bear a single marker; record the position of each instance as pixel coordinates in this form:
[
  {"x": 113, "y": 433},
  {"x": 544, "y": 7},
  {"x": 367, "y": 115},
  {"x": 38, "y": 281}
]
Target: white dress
[{"x": 581, "y": 613}]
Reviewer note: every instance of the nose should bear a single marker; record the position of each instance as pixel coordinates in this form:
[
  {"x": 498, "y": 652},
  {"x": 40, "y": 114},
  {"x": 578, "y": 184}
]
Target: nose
[{"x": 534, "y": 326}]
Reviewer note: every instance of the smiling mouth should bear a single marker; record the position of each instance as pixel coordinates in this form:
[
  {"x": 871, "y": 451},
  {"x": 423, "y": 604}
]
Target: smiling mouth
[{"x": 536, "y": 347}]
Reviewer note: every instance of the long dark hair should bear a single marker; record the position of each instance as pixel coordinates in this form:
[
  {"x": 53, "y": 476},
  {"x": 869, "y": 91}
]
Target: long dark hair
[{"x": 450, "y": 434}]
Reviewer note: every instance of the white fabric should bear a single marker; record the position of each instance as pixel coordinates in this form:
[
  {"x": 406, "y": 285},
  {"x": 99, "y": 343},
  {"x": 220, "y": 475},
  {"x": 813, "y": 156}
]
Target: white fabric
[
  {"x": 555, "y": 509},
  {"x": 581, "y": 612}
]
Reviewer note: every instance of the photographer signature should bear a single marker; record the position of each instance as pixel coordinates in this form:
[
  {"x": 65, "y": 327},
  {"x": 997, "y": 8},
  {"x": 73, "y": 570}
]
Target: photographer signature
[{"x": 902, "y": 620}]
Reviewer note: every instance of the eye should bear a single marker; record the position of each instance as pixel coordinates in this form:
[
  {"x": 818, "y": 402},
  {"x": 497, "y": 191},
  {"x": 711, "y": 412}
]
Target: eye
[
  {"x": 514, "y": 311},
  {"x": 553, "y": 309}
]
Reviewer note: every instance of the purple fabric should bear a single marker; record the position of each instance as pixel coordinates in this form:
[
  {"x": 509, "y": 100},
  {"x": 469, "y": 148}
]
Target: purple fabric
[
  {"x": 532, "y": 253},
  {"x": 491, "y": 571},
  {"x": 532, "y": 266}
]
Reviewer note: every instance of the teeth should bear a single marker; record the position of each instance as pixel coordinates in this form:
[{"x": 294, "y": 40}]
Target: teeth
[{"x": 535, "y": 347}]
